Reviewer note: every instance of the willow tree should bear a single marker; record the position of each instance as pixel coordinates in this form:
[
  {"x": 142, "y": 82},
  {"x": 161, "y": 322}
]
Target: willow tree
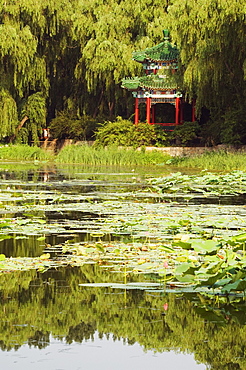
[
  {"x": 109, "y": 31},
  {"x": 34, "y": 37},
  {"x": 8, "y": 115},
  {"x": 20, "y": 69},
  {"x": 211, "y": 36},
  {"x": 73, "y": 54}
]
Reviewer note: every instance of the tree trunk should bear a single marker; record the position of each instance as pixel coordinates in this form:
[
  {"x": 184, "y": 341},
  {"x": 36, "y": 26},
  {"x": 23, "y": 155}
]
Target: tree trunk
[
  {"x": 98, "y": 104},
  {"x": 12, "y": 138},
  {"x": 111, "y": 108}
]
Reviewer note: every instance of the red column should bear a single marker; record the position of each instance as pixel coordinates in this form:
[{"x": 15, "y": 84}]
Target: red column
[
  {"x": 181, "y": 111},
  {"x": 148, "y": 105},
  {"x": 193, "y": 118},
  {"x": 136, "y": 119},
  {"x": 153, "y": 114},
  {"x": 177, "y": 103}
]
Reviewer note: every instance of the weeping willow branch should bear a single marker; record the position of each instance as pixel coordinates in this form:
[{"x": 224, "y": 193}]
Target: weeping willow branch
[{"x": 23, "y": 121}]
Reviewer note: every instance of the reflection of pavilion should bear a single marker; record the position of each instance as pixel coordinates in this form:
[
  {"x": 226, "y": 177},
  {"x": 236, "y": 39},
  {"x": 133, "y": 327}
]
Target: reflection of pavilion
[{"x": 159, "y": 85}]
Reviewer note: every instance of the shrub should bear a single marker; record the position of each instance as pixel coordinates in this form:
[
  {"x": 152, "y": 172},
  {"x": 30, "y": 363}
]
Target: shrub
[
  {"x": 124, "y": 133},
  {"x": 118, "y": 133},
  {"x": 66, "y": 126},
  {"x": 143, "y": 134},
  {"x": 186, "y": 133}
]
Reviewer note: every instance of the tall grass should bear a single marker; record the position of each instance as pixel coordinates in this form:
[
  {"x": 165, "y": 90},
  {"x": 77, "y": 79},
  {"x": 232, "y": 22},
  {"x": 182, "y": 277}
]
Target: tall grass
[
  {"x": 24, "y": 153},
  {"x": 112, "y": 156},
  {"x": 220, "y": 160},
  {"x": 89, "y": 155}
]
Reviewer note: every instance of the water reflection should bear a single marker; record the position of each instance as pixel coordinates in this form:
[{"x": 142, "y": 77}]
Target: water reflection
[
  {"x": 44, "y": 314},
  {"x": 104, "y": 353},
  {"x": 36, "y": 308}
]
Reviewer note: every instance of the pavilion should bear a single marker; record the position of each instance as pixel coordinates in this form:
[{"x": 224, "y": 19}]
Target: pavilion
[{"x": 159, "y": 84}]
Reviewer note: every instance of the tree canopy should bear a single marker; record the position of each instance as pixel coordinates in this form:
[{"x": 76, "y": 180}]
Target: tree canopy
[
  {"x": 211, "y": 36},
  {"x": 59, "y": 56}
]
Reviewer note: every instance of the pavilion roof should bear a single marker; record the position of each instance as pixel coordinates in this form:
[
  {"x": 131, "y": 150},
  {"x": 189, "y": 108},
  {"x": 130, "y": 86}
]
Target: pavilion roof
[
  {"x": 150, "y": 82},
  {"x": 163, "y": 52}
]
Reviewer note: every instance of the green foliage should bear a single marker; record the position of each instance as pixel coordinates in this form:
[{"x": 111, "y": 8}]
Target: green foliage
[
  {"x": 22, "y": 137},
  {"x": 211, "y": 38},
  {"x": 8, "y": 114},
  {"x": 118, "y": 133},
  {"x": 186, "y": 133},
  {"x": 80, "y": 51},
  {"x": 162, "y": 136},
  {"x": 93, "y": 155},
  {"x": 143, "y": 135},
  {"x": 124, "y": 133},
  {"x": 23, "y": 153},
  {"x": 35, "y": 109},
  {"x": 227, "y": 127},
  {"x": 66, "y": 126},
  {"x": 233, "y": 128},
  {"x": 213, "y": 160}
]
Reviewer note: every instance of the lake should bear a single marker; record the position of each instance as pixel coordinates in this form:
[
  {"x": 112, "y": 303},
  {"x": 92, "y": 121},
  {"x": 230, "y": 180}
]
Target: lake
[{"x": 97, "y": 296}]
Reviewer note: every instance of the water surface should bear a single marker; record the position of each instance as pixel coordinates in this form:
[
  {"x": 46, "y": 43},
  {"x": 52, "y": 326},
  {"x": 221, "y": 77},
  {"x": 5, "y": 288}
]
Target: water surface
[{"x": 49, "y": 320}]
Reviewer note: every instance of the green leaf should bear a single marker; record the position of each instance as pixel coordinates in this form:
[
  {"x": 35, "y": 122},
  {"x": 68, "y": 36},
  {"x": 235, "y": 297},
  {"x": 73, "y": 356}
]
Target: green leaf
[
  {"x": 186, "y": 278},
  {"x": 212, "y": 279},
  {"x": 41, "y": 238},
  {"x": 222, "y": 282},
  {"x": 184, "y": 245},
  {"x": 240, "y": 238},
  {"x": 4, "y": 237},
  {"x": 237, "y": 285},
  {"x": 205, "y": 246},
  {"x": 165, "y": 248},
  {"x": 183, "y": 268},
  {"x": 2, "y": 257},
  {"x": 97, "y": 235}
]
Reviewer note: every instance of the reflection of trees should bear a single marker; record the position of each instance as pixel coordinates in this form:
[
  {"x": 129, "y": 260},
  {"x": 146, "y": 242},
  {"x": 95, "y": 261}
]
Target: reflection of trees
[
  {"x": 81, "y": 332},
  {"x": 26, "y": 247},
  {"x": 35, "y": 305},
  {"x": 39, "y": 339}
]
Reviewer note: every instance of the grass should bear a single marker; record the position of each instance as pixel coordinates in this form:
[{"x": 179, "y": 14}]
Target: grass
[
  {"x": 22, "y": 152},
  {"x": 221, "y": 161},
  {"x": 111, "y": 156}
]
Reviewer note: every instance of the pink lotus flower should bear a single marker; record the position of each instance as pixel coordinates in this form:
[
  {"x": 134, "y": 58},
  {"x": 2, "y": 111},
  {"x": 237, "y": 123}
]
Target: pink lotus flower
[
  {"x": 165, "y": 264},
  {"x": 165, "y": 306}
]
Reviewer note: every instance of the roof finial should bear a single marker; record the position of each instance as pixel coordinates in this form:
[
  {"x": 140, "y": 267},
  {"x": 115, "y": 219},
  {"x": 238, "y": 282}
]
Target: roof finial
[
  {"x": 166, "y": 39},
  {"x": 166, "y": 35}
]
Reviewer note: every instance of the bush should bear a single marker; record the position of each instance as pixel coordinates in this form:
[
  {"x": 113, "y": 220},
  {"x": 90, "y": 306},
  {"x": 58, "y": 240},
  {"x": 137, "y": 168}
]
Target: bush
[
  {"x": 124, "y": 133},
  {"x": 186, "y": 133},
  {"x": 118, "y": 133},
  {"x": 65, "y": 126},
  {"x": 144, "y": 134}
]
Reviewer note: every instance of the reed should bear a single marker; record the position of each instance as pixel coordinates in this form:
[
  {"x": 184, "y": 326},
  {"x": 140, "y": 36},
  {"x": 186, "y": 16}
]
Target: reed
[
  {"x": 89, "y": 155},
  {"x": 115, "y": 156},
  {"x": 222, "y": 160},
  {"x": 24, "y": 153}
]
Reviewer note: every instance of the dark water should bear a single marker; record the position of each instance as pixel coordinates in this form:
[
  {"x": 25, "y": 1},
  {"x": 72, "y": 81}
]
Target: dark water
[{"x": 48, "y": 320}]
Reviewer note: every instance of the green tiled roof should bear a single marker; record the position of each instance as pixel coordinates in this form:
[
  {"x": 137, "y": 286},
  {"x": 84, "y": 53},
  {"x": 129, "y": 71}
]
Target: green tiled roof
[
  {"x": 150, "y": 82},
  {"x": 163, "y": 52},
  {"x": 131, "y": 83}
]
